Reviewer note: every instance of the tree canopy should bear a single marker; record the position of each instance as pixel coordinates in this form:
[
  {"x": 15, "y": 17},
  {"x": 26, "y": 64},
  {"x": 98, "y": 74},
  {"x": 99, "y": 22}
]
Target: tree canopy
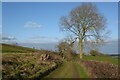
[{"x": 86, "y": 24}]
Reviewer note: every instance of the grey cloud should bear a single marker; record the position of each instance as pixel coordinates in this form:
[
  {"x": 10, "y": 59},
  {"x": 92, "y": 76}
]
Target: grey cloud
[{"x": 8, "y": 38}]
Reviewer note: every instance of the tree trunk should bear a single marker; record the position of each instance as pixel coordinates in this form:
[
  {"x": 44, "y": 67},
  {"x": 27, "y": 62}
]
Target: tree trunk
[{"x": 81, "y": 49}]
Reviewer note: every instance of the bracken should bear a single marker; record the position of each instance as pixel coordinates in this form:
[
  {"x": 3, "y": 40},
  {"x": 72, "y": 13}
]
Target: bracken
[{"x": 101, "y": 69}]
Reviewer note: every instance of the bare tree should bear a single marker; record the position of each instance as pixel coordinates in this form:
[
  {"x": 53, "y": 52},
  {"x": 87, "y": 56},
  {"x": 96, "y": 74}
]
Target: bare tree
[{"x": 85, "y": 23}]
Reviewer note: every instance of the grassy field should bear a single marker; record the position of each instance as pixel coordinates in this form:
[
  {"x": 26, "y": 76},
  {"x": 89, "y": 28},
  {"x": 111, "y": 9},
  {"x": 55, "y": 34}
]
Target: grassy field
[
  {"x": 69, "y": 70},
  {"x": 22, "y": 62},
  {"x": 102, "y": 58},
  {"x": 16, "y": 49},
  {"x": 112, "y": 60}
]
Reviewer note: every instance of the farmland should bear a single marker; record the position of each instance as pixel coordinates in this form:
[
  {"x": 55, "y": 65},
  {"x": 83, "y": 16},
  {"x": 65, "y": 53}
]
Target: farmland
[{"x": 21, "y": 62}]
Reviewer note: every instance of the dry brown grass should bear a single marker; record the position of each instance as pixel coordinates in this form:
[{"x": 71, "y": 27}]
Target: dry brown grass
[
  {"x": 28, "y": 65},
  {"x": 99, "y": 69}
]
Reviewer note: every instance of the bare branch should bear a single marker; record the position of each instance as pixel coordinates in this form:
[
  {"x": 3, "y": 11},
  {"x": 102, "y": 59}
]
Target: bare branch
[{"x": 86, "y": 23}]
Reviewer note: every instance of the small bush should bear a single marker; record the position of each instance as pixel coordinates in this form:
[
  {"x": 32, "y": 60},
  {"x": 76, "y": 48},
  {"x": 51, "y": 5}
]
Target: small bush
[{"x": 95, "y": 53}]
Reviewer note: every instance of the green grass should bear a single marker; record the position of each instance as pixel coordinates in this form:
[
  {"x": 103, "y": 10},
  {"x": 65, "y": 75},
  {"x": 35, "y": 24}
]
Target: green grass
[
  {"x": 81, "y": 71},
  {"x": 69, "y": 70},
  {"x": 22, "y": 62},
  {"x": 6, "y": 48},
  {"x": 102, "y": 58}
]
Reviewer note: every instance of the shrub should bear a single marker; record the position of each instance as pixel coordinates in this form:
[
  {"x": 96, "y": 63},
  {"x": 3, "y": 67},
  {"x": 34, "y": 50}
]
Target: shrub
[
  {"x": 65, "y": 50},
  {"x": 99, "y": 69},
  {"x": 95, "y": 53}
]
